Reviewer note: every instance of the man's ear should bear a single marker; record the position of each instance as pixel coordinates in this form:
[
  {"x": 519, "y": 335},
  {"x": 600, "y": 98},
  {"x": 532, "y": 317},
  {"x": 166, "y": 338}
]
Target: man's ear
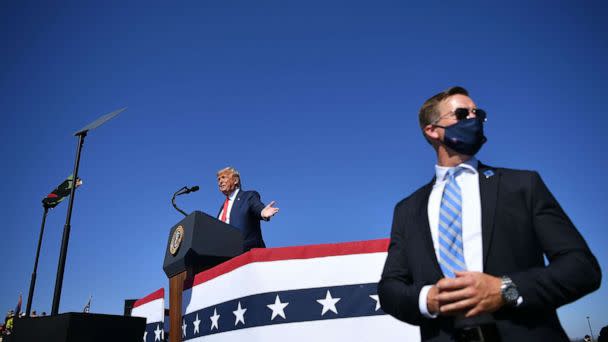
[{"x": 430, "y": 132}]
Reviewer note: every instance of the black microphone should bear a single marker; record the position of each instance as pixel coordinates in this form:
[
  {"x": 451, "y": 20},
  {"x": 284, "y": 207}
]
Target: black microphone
[
  {"x": 186, "y": 190},
  {"x": 182, "y": 191}
]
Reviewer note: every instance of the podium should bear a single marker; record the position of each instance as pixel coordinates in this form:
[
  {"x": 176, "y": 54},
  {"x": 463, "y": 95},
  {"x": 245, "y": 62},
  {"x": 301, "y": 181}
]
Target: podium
[{"x": 196, "y": 243}]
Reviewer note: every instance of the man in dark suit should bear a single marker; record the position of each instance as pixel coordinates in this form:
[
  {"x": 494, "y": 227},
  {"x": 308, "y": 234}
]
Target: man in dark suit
[
  {"x": 466, "y": 257},
  {"x": 603, "y": 337},
  {"x": 243, "y": 209}
]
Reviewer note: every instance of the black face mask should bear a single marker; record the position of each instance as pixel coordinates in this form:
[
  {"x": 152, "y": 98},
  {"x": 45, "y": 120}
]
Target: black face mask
[{"x": 465, "y": 136}]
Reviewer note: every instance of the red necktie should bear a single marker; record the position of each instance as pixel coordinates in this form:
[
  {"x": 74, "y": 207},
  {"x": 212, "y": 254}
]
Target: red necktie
[{"x": 225, "y": 209}]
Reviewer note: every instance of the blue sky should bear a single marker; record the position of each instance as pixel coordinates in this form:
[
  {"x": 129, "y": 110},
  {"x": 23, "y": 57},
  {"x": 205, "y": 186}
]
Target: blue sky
[{"x": 314, "y": 102}]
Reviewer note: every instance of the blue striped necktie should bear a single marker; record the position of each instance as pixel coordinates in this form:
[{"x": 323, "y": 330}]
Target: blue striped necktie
[{"x": 451, "y": 255}]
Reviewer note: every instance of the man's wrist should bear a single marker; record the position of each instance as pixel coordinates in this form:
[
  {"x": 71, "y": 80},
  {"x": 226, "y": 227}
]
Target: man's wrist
[
  {"x": 423, "y": 302},
  {"x": 509, "y": 292}
]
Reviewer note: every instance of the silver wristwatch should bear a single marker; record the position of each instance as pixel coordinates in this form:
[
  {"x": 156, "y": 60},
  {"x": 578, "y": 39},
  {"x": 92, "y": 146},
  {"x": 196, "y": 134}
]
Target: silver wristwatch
[{"x": 509, "y": 291}]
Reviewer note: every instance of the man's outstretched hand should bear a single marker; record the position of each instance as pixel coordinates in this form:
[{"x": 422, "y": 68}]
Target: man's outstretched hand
[{"x": 269, "y": 211}]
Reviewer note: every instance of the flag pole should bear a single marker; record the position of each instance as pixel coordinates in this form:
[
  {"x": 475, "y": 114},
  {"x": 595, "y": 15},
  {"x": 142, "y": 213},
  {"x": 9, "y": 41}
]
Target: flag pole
[
  {"x": 49, "y": 202},
  {"x": 18, "y": 307},
  {"x": 87, "y": 307},
  {"x": 30, "y": 295}
]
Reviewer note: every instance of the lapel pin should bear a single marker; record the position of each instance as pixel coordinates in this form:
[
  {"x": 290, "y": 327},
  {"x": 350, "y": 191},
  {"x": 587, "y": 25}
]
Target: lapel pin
[{"x": 488, "y": 173}]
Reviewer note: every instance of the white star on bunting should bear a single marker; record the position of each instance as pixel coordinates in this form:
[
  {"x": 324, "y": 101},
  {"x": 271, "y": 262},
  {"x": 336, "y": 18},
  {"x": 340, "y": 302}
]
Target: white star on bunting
[
  {"x": 157, "y": 333},
  {"x": 184, "y": 328},
  {"x": 277, "y": 308},
  {"x": 214, "y": 320},
  {"x": 240, "y": 315},
  {"x": 197, "y": 322},
  {"x": 375, "y": 297},
  {"x": 329, "y": 304},
  {"x": 145, "y": 334}
]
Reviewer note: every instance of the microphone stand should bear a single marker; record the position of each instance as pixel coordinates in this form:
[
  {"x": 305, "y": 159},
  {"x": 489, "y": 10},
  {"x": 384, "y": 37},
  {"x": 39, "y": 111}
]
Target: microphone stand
[{"x": 177, "y": 193}]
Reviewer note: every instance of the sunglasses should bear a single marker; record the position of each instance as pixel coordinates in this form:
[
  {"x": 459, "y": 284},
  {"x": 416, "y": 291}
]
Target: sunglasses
[{"x": 463, "y": 113}]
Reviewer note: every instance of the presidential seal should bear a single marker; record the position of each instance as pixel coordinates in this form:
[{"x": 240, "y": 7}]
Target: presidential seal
[{"x": 176, "y": 240}]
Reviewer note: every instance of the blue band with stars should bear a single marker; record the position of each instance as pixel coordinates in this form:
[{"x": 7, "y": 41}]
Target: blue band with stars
[{"x": 290, "y": 306}]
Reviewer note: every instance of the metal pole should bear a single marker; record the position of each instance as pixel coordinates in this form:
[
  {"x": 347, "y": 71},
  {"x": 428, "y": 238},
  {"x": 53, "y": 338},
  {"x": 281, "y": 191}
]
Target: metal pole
[
  {"x": 30, "y": 296},
  {"x": 590, "y": 331},
  {"x": 66, "y": 231}
]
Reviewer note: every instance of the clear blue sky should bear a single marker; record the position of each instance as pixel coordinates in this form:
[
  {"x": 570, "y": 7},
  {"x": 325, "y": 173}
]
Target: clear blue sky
[{"x": 315, "y": 102}]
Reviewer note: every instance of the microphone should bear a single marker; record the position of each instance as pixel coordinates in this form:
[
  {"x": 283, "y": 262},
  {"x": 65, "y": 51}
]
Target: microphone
[
  {"x": 193, "y": 189},
  {"x": 182, "y": 191},
  {"x": 186, "y": 190}
]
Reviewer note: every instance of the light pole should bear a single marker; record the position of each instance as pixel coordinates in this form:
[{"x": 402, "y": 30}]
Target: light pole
[
  {"x": 590, "y": 331},
  {"x": 66, "y": 228}
]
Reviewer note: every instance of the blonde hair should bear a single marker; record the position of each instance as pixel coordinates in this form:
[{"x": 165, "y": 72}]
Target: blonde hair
[{"x": 232, "y": 171}]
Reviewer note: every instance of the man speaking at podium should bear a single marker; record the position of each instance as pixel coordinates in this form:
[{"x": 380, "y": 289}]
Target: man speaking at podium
[
  {"x": 243, "y": 209},
  {"x": 466, "y": 257}
]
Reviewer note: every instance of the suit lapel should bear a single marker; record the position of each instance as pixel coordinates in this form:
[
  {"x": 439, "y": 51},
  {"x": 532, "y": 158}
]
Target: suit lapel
[
  {"x": 488, "y": 189},
  {"x": 423, "y": 221},
  {"x": 236, "y": 205}
]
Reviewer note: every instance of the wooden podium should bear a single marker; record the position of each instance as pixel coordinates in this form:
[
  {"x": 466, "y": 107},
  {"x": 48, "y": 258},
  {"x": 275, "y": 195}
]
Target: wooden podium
[{"x": 196, "y": 243}]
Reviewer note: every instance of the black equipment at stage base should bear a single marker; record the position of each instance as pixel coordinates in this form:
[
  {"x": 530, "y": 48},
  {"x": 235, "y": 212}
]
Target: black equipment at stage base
[{"x": 78, "y": 327}]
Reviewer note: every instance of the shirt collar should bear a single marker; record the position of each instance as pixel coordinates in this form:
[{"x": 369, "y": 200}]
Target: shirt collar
[
  {"x": 233, "y": 194},
  {"x": 469, "y": 166}
]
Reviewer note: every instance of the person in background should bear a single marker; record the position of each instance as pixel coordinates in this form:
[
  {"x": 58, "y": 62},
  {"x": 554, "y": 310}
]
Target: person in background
[
  {"x": 603, "y": 337},
  {"x": 8, "y": 327}
]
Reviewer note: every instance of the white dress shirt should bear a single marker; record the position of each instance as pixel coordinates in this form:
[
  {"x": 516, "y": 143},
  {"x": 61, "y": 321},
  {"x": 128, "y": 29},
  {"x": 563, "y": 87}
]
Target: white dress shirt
[
  {"x": 230, "y": 203},
  {"x": 468, "y": 181}
]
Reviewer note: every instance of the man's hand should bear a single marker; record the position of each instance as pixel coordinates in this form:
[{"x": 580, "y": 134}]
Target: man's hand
[
  {"x": 432, "y": 303},
  {"x": 471, "y": 293},
  {"x": 269, "y": 211}
]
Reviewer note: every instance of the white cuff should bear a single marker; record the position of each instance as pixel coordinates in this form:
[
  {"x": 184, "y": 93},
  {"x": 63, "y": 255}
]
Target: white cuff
[{"x": 422, "y": 302}]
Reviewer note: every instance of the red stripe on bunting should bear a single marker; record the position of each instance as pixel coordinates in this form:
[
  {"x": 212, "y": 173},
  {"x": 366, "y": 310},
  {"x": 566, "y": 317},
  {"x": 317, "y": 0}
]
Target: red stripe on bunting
[
  {"x": 287, "y": 253},
  {"x": 160, "y": 293}
]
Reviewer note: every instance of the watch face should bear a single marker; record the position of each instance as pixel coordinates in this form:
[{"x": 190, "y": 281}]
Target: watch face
[{"x": 511, "y": 294}]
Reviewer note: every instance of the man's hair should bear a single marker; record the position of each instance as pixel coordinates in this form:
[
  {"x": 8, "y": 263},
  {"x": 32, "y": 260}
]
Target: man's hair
[
  {"x": 428, "y": 112},
  {"x": 233, "y": 171}
]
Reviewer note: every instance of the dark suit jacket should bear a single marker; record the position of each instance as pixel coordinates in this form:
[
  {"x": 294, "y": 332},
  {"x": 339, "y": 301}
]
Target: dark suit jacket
[
  {"x": 245, "y": 215},
  {"x": 521, "y": 223}
]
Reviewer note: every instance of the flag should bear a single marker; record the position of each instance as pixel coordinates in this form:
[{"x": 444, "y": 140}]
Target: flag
[
  {"x": 87, "y": 308},
  {"x": 60, "y": 193},
  {"x": 152, "y": 307},
  {"x": 305, "y": 293},
  {"x": 18, "y": 307}
]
